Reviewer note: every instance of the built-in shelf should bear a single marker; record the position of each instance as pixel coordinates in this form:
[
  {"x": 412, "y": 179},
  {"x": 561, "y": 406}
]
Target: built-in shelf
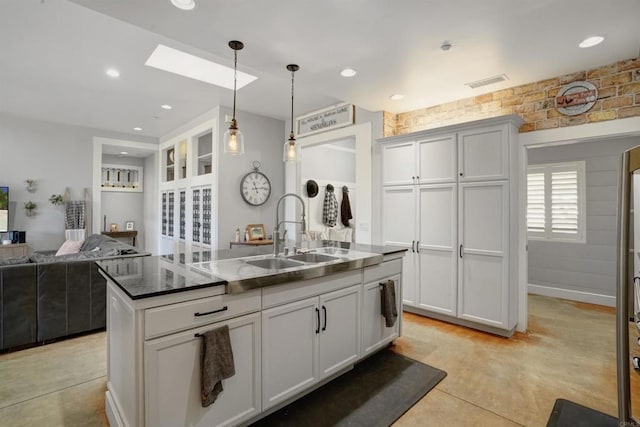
[{"x": 122, "y": 178}]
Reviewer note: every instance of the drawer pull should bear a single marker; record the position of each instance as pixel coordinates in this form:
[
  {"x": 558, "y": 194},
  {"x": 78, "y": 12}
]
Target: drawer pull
[{"x": 225, "y": 308}]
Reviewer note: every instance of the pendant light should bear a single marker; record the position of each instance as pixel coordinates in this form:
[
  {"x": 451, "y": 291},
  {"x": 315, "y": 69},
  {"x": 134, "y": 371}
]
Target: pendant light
[
  {"x": 291, "y": 151},
  {"x": 233, "y": 139}
]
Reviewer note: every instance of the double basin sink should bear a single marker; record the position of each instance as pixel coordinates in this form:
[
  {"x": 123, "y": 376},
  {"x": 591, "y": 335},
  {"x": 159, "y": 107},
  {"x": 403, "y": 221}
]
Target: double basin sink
[{"x": 291, "y": 261}]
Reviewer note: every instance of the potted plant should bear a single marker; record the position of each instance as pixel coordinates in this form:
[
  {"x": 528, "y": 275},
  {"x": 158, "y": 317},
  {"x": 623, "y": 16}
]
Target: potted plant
[
  {"x": 56, "y": 199},
  {"x": 29, "y": 207}
]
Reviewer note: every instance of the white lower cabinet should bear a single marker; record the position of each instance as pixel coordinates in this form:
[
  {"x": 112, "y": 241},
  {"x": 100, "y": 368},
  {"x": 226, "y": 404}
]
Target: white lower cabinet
[
  {"x": 172, "y": 378},
  {"x": 375, "y": 334},
  {"x": 308, "y": 340}
]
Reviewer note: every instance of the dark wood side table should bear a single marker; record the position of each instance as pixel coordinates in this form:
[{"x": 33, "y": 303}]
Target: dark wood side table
[
  {"x": 120, "y": 234},
  {"x": 251, "y": 243}
]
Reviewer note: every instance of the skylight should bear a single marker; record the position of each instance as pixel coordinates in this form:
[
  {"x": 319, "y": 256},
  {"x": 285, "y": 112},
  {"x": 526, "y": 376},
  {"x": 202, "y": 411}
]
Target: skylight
[{"x": 187, "y": 65}]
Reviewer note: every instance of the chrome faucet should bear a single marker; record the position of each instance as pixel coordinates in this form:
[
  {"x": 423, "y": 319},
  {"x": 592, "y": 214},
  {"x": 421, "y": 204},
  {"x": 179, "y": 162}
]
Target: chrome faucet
[{"x": 277, "y": 240}]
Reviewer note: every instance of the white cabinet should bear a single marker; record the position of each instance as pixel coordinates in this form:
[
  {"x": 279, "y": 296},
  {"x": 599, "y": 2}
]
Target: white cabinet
[
  {"x": 156, "y": 382},
  {"x": 375, "y": 333},
  {"x": 420, "y": 161},
  {"x": 450, "y": 196},
  {"x": 308, "y": 340},
  {"x": 188, "y": 190},
  {"x": 172, "y": 378},
  {"x": 484, "y": 255}
]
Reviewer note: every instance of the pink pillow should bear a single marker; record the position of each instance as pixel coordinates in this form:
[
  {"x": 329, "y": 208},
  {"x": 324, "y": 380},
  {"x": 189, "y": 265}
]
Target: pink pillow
[{"x": 70, "y": 247}]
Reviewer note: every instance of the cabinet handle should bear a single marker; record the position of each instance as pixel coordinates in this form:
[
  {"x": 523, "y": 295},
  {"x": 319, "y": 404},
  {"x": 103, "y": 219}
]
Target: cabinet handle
[
  {"x": 418, "y": 246},
  {"x": 413, "y": 242},
  {"x": 211, "y": 312},
  {"x": 324, "y": 311},
  {"x": 318, "y": 318},
  {"x": 461, "y": 251}
]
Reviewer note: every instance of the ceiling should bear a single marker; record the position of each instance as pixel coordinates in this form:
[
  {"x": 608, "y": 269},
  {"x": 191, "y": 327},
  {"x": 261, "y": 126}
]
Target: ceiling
[{"x": 55, "y": 53}]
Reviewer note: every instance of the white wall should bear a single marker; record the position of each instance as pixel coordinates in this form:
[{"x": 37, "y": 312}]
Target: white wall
[
  {"x": 120, "y": 207},
  {"x": 332, "y": 163},
  {"x": 56, "y": 156},
  {"x": 583, "y": 271},
  {"x": 263, "y": 141}
]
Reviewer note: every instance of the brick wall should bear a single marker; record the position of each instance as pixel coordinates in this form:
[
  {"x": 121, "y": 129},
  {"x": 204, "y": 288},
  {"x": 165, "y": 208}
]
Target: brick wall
[{"x": 618, "y": 97}]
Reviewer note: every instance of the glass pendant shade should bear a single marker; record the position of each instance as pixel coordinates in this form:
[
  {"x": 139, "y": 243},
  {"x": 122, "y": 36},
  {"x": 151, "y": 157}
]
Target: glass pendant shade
[
  {"x": 291, "y": 151},
  {"x": 233, "y": 141}
]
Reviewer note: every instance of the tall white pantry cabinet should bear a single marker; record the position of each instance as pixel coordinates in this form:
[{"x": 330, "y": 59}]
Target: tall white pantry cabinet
[{"x": 450, "y": 195}]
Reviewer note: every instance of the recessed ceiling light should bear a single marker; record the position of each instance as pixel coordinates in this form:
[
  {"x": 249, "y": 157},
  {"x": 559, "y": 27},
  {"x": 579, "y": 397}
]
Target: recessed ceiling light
[
  {"x": 187, "y": 65},
  {"x": 166, "y": 107},
  {"x": 184, "y": 4},
  {"x": 591, "y": 41},
  {"x": 124, "y": 152},
  {"x": 137, "y": 128},
  {"x": 112, "y": 72},
  {"x": 396, "y": 97},
  {"x": 348, "y": 72}
]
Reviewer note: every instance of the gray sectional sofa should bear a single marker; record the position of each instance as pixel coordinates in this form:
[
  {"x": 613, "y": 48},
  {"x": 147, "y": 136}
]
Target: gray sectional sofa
[{"x": 44, "y": 296}]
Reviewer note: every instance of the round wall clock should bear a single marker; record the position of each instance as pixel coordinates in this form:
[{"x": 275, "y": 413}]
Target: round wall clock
[{"x": 255, "y": 187}]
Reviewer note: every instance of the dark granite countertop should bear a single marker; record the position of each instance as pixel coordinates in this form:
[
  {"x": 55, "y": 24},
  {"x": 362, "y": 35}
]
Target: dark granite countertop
[{"x": 152, "y": 276}]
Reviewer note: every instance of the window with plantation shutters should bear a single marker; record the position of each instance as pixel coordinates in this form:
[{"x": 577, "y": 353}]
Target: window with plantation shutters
[{"x": 556, "y": 201}]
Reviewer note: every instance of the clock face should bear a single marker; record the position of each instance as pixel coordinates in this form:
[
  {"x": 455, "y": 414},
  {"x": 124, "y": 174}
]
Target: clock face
[{"x": 255, "y": 188}]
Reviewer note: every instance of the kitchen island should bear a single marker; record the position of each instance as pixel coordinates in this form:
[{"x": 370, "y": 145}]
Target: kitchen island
[{"x": 294, "y": 323}]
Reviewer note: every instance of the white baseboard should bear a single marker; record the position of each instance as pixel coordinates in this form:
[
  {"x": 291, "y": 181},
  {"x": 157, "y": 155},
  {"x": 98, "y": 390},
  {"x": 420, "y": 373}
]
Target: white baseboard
[{"x": 571, "y": 295}]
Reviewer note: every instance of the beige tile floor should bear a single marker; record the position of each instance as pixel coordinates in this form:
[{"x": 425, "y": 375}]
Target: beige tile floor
[{"x": 568, "y": 352}]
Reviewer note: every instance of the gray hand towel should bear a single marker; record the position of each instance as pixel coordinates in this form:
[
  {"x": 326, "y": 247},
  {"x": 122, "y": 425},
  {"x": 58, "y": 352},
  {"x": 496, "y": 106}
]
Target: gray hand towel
[
  {"x": 216, "y": 363},
  {"x": 388, "y": 302}
]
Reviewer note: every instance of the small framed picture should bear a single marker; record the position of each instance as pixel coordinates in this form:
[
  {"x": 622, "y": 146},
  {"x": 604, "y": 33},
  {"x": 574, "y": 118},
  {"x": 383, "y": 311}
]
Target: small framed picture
[
  {"x": 128, "y": 225},
  {"x": 256, "y": 232}
]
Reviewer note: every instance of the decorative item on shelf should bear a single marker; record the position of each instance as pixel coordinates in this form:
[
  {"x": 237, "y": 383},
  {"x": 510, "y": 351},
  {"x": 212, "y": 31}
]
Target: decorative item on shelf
[
  {"x": 113, "y": 227},
  {"x": 233, "y": 139},
  {"x": 104, "y": 223},
  {"x": 255, "y": 232},
  {"x": 129, "y": 225},
  {"x": 31, "y": 185},
  {"x": 291, "y": 151},
  {"x": 237, "y": 234},
  {"x": 56, "y": 199},
  {"x": 30, "y": 208},
  {"x": 255, "y": 187}
]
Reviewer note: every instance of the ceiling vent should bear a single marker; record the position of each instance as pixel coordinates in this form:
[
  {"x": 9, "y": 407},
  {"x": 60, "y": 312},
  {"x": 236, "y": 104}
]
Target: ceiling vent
[{"x": 488, "y": 81}]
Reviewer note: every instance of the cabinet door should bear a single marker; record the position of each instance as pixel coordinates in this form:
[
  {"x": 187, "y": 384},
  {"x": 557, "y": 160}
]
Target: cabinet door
[
  {"x": 399, "y": 224},
  {"x": 398, "y": 163},
  {"x": 483, "y": 267},
  {"x": 484, "y": 154},
  {"x": 340, "y": 330},
  {"x": 437, "y": 160},
  {"x": 172, "y": 378},
  {"x": 438, "y": 248},
  {"x": 289, "y": 349},
  {"x": 375, "y": 334}
]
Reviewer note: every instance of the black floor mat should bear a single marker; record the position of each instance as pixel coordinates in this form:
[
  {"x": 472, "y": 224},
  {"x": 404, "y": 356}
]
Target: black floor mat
[
  {"x": 375, "y": 393},
  {"x": 569, "y": 414}
]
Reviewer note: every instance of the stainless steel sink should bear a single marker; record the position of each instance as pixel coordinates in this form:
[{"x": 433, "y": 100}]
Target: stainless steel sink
[
  {"x": 312, "y": 257},
  {"x": 274, "y": 263}
]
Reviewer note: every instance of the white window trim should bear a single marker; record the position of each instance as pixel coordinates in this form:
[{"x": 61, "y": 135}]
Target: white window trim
[{"x": 548, "y": 235}]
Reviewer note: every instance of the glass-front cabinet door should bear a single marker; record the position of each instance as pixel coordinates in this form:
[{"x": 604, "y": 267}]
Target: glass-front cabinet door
[{"x": 187, "y": 190}]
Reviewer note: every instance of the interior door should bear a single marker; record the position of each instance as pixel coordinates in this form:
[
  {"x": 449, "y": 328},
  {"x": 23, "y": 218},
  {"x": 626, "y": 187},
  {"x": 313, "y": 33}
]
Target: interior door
[{"x": 628, "y": 292}]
